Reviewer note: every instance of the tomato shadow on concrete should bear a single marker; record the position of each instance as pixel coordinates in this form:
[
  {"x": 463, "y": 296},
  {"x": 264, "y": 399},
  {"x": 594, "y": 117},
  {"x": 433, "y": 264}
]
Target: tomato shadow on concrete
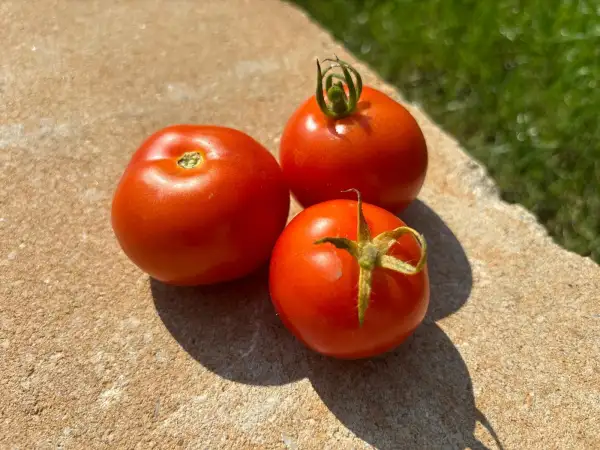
[
  {"x": 232, "y": 330},
  {"x": 451, "y": 278},
  {"x": 417, "y": 397}
]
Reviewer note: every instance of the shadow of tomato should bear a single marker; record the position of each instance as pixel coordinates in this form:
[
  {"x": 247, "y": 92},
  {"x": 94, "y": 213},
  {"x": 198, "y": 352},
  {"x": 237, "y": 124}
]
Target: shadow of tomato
[
  {"x": 417, "y": 397},
  {"x": 232, "y": 330},
  {"x": 450, "y": 273}
]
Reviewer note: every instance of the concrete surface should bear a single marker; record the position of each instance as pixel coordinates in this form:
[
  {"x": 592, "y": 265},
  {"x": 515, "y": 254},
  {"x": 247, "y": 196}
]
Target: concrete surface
[{"x": 93, "y": 355}]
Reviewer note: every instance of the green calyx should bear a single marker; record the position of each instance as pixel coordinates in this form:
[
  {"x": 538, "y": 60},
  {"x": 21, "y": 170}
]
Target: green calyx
[
  {"x": 371, "y": 253},
  {"x": 340, "y": 103},
  {"x": 189, "y": 160}
]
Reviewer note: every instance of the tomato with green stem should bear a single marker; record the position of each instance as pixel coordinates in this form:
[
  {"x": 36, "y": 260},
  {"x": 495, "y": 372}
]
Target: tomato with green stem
[
  {"x": 200, "y": 204},
  {"x": 343, "y": 292},
  {"x": 352, "y": 136}
]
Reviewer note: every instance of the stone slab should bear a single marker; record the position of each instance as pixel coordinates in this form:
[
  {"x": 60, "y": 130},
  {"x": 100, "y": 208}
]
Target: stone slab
[{"x": 94, "y": 355}]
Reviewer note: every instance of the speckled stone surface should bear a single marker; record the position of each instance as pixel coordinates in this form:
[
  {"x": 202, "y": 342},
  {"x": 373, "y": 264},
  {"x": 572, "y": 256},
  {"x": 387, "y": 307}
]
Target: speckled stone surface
[{"x": 94, "y": 355}]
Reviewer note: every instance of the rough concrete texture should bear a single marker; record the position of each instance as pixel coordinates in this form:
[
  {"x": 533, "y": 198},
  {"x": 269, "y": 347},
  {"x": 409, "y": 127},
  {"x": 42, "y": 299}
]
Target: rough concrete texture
[{"x": 94, "y": 355}]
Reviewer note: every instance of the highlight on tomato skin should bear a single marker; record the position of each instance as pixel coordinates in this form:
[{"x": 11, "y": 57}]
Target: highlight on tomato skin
[
  {"x": 348, "y": 135},
  {"x": 349, "y": 280},
  {"x": 200, "y": 204}
]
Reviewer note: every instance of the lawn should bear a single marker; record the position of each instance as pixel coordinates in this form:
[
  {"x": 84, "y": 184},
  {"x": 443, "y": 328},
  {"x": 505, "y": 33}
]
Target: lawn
[{"x": 517, "y": 82}]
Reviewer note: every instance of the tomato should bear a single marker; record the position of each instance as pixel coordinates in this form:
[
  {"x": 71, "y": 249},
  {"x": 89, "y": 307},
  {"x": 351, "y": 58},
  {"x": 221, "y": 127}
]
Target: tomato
[
  {"x": 340, "y": 291},
  {"x": 362, "y": 139},
  {"x": 200, "y": 205}
]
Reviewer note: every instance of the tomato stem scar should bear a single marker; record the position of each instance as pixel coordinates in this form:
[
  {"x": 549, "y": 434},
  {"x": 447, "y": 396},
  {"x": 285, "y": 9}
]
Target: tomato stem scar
[
  {"x": 341, "y": 103},
  {"x": 371, "y": 253},
  {"x": 189, "y": 160}
]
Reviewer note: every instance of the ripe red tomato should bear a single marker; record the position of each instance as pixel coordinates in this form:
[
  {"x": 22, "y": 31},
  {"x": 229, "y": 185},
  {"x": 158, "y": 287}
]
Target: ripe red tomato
[
  {"x": 362, "y": 139},
  {"x": 343, "y": 293},
  {"x": 200, "y": 205}
]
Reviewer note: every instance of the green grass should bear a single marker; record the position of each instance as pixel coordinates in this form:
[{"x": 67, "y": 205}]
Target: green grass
[{"x": 517, "y": 82}]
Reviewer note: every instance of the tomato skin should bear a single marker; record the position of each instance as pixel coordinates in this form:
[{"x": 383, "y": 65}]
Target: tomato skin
[
  {"x": 379, "y": 150},
  {"x": 314, "y": 287},
  {"x": 215, "y": 222}
]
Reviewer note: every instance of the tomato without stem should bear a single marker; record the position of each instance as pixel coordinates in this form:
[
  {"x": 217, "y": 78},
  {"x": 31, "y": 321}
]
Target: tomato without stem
[
  {"x": 200, "y": 205},
  {"x": 360, "y": 139},
  {"x": 341, "y": 291}
]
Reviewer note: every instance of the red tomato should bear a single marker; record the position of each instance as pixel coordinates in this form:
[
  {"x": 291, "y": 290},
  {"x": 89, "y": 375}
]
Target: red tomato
[
  {"x": 323, "y": 289},
  {"x": 200, "y": 205},
  {"x": 372, "y": 144}
]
